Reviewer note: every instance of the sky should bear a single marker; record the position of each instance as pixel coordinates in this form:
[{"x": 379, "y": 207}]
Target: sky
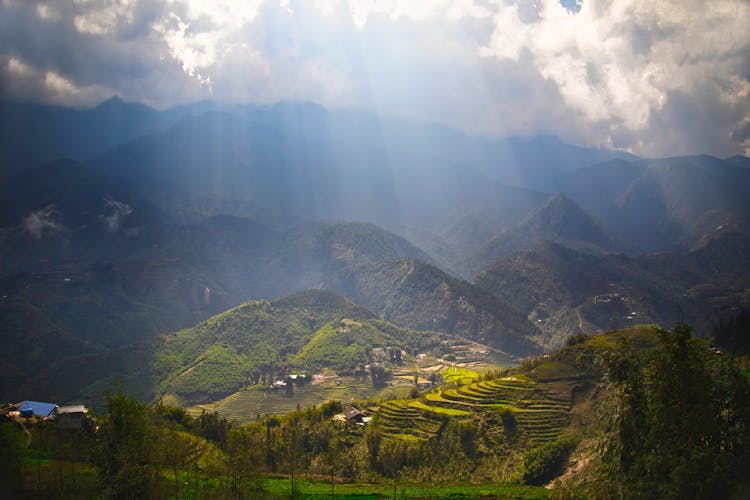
[{"x": 656, "y": 78}]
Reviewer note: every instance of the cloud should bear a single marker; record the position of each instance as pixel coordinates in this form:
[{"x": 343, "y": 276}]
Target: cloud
[
  {"x": 620, "y": 73},
  {"x": 42, "y": 221},
  {"x": 620, "y": 62},
  {"x": 117, "y": 212},
  {"x": 204, "y": 31}
]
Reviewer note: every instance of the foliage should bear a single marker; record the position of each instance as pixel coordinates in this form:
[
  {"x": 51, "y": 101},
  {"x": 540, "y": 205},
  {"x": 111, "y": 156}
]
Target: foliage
[
  {"x": 126, "y": 452},
  {"x": 258, "y": 342},
  {"x": 502, "y": 427},
  {"x": 342, "y": 347},
  {"x": 679, "y": 422},
  {"x": 12, "y": 444},
  {"x": 543, "y": 463}
]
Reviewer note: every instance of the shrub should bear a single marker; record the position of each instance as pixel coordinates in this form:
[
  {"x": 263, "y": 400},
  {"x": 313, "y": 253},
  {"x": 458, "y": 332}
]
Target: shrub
[{"x": 545, "y": 462}]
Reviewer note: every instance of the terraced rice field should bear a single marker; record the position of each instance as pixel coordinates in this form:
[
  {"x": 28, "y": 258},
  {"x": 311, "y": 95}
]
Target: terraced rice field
[
  {"x": 541, "y": 412},
  {"x": 397, "y": 419},
  {"x": 244, "y": 406}
]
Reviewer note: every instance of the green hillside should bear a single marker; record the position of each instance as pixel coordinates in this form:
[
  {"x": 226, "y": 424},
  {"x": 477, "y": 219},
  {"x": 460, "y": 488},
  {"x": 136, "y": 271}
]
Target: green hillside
[
  {"x": 530, "y": 405},
  {"x": 420, "y": 296},
  {"x": 265, "y": 340}
]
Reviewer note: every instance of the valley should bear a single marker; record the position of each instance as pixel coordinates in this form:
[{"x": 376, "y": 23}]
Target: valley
[{"x": 260, "y": 278}]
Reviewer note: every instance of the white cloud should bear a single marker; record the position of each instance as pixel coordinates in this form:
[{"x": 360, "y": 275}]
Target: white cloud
[
  {"x": 19, "y": 68},
  {"x": 41, "y": 221},
  {"x": 418, "y": 10},
  {"x": 194, "y": 52},
  {"x": 59, "y": 85},
  {"x": 118, "y": 210},
  {"x": 207, "y": 30},
  {"x": 46, "y": 12},
  {"x": 27, "y": 82},
  {"x": 102, "y": 18},
  {"x": 618, "y": 62}
]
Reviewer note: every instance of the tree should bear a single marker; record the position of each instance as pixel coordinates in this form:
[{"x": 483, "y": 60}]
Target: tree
[
  {"x": 679, "y": 422},
  {"x": 13, "y": 444},
  {"x": 379, "y": 375},
  {"x": 127, "y": 448}
]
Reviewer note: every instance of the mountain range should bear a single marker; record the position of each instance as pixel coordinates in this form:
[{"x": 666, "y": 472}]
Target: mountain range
[{"x": 112, "y": 240}]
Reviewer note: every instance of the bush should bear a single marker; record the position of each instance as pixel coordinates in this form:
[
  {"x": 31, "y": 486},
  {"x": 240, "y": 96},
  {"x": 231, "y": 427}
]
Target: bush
[
  {"x": 510, "y": 424},
  {"x": 545, "y": 462}
]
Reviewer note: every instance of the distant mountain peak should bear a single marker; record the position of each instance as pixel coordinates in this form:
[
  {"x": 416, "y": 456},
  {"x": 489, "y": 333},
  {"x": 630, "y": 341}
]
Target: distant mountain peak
[
  {"x": 558, "y": 201},
  {"x": 558, "y": 219},
  {"x": 117, "y": 103},
  {"x": 561, "y": 216},
  {"x": 115, "y": 99}
]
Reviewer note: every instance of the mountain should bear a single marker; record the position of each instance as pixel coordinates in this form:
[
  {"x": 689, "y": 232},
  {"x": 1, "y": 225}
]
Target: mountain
[
  {"x": 311, "y": 330},
  {"x": 31, "y": 338},
  {"x": 461, "y": 232},
  {"x": 64, "y": 211},
  {"x": 391, "y": 277},
  {"x": 302, "y": 160},
  {"x": 663, "y": 204},
  {"x": 33, "y": 134},
  {"x": 162, "y": 219},
  {"x": 413, "y": 294},
  {"x": 565, "y": 292},
  {"x": 558, "y": 219},
  {"x": 329, "y": 255},
  {"x": 534, "y": 162}
]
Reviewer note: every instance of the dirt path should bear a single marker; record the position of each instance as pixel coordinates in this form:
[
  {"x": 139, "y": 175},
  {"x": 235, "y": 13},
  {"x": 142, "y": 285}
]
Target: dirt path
[
  {"x": 188, "y": 371},
  {"x": 26, "y": 431}
]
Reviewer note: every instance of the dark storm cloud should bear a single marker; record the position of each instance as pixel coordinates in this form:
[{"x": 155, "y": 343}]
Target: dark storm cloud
[{"x": 664, "y": 77}]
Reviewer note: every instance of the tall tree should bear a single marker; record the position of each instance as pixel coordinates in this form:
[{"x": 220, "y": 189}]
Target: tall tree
[
  {"x": 670, "y": 431},
  {"x": 127, "y": 448}
]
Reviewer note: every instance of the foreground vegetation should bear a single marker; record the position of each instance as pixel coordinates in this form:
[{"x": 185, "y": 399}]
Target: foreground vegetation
[{"x": 644, "y": 412}]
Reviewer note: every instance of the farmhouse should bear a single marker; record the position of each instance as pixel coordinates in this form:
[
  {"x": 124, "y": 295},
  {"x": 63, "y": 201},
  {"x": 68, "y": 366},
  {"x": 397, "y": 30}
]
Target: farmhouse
[{"x": 36, "y": 409}]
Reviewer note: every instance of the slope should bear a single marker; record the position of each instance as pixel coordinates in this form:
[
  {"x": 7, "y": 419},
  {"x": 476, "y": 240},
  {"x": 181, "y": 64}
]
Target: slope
[
  {"x": 667, "y": 203},
  {"x": 565, "y": 291},
  {"x": 308, "y": 330},
  {"x": 63, "y": 210},
  {"x": 33, "y": 134},
  {"x": 417, "y": 295},
  {"x": 558, "y": 219}
]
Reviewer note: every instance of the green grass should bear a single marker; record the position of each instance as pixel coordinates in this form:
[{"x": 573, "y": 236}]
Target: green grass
[
  {"x": 316, "y": 489},
  {"x": 445, "y": 411},
  {"x": 554, "y": 369},
  {"x": 454, "y": 374},
  {"x": 244, "y": 406}
]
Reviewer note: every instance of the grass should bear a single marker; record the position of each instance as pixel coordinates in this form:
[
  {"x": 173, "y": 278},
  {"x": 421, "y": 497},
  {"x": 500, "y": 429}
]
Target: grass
[
  {"x": 315, "y": 489},
  {"x": 554, "y": 369},
  {"x": 452, "y": 412},
  {"x": 462, "y": 375},
  {"x": 246, "y": 405}
]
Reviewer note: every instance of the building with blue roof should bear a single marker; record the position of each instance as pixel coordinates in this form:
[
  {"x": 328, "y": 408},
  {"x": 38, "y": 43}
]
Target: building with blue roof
[{"x": 36, "y": 408}]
